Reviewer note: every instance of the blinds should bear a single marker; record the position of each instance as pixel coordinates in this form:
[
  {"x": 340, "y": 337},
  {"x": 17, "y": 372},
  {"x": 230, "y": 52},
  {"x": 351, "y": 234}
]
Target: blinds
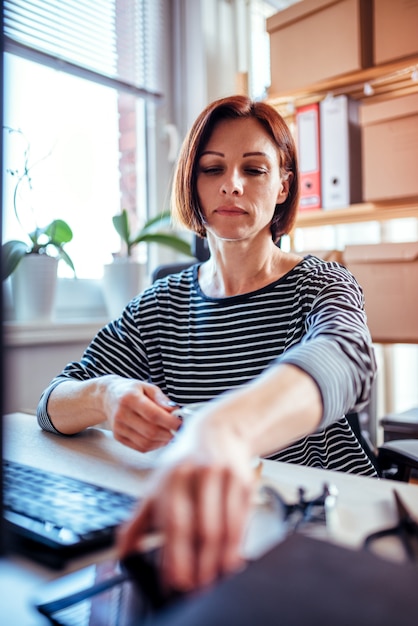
[{"x": 114, "y": 42}]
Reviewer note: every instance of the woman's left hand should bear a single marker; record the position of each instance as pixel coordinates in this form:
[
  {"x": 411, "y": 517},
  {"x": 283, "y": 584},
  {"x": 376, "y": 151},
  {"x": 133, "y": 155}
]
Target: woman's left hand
[{"x": 199, "y": 500}]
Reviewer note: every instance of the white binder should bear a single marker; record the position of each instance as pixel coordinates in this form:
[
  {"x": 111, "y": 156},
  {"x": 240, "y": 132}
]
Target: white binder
[{"x": 340, "y": 133}]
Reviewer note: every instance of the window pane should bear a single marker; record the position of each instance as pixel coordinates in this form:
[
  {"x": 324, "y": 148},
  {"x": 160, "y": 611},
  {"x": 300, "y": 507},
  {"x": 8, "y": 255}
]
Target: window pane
[
  {"x": 116, "y": 39},
  {"x": 73, "y": 127}
]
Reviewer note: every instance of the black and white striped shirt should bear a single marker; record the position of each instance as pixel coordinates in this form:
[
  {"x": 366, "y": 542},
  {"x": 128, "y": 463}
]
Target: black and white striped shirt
[{"x": 195, "y": 347}]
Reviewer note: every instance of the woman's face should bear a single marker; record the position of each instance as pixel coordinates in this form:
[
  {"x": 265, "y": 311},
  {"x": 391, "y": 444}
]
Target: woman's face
[{"x": 238, "y": 180}]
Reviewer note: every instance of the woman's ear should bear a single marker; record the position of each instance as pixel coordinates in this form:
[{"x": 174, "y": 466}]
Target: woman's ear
[{"x": 284, "y": 188}]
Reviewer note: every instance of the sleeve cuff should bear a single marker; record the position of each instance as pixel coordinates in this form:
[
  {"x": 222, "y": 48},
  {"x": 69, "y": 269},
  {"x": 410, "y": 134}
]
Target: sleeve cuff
[
  {"x": 42, "y": 416},
  {"x": 330, "y": 374}
]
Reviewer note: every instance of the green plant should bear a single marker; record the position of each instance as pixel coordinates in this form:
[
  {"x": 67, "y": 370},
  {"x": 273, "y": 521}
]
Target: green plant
[
  {"x": 153, "y": 231},
  {"x": 41, "y": 239}
]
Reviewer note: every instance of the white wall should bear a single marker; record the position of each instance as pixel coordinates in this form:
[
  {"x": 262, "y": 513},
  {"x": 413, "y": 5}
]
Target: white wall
[{"x": 35, "y": 354}]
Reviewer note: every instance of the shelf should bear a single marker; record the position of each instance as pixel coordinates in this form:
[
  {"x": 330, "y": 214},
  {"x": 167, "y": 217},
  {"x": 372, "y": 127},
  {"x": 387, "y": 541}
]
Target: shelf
[
  {"x": 366, "y": 212},
  {"x": 387, "y": 80}
]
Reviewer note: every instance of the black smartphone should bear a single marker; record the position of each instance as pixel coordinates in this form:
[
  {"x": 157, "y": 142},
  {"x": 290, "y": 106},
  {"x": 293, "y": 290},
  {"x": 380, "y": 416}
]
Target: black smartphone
[
  {"x": 102, "y": 594},
  {"x": 122, "y": 593}
]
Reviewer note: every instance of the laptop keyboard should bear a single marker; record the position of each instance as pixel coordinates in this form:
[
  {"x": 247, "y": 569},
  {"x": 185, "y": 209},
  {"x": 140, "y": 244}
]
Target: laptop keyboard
[{"x": 55, "y": 517}]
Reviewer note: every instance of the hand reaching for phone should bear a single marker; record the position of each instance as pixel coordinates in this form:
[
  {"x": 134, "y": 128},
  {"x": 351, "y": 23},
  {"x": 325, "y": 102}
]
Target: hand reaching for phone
[{"x": 198, "y": 500}]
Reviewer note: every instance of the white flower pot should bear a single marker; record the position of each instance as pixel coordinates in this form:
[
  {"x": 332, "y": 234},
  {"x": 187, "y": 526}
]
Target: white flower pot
[
  {"x": 34, "y": 284},
  {"x": 122, "y": 280}
]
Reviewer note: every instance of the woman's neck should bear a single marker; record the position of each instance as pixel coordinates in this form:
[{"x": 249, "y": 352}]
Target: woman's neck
[{"x": 234, "y": 270}]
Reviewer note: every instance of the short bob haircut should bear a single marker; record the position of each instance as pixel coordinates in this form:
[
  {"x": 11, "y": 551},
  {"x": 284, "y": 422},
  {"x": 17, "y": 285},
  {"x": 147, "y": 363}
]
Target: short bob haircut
[{"x": 184, "y": 200}]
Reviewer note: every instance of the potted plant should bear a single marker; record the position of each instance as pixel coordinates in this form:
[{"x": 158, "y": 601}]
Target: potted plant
[
  {"x": 153, "y": 231},
  {"x": 33, "y": 264},
  {"x": 53, "y": 236},
  {"x": 125, "y": 276}
]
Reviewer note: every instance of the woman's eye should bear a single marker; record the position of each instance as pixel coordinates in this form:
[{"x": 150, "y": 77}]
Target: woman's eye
[
  {"x": 211, "y": 170},
  {"x": 255, "y": 171}
]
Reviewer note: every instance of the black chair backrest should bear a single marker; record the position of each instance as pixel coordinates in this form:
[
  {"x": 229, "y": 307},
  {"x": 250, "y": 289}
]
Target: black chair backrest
[{"x": 201, "y": 252}]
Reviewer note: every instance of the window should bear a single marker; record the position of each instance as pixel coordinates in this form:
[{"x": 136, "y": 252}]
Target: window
[
  {"x": 80, "y": 82},
  {"x": 259, "y": 44}
]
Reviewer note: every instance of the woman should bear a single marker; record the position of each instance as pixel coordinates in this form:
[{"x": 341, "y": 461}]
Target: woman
[{"x": 279, "y": 341}]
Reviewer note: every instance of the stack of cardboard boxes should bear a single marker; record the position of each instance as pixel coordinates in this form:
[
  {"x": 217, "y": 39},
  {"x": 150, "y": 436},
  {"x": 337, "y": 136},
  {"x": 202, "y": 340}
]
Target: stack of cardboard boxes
[{"x": 313, "y": 44}]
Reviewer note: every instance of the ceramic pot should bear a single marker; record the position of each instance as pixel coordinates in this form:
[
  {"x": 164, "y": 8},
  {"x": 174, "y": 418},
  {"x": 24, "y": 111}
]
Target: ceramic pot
[
  {"x": 34, "y": 285},
  {"x": 122, "y": 280}
]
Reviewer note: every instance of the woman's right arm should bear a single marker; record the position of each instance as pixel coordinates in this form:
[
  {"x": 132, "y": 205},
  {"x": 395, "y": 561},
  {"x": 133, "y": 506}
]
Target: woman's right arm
[
  {"x": 138, "y": 413},
  {"x": 107, "y": 385}
]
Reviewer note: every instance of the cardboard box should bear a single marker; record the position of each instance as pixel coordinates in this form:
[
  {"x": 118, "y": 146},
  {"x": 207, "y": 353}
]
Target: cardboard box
[
  {"x": 390, "y": 148},
  {"x": 388, "y": 274},
  {"x": 395, "y": 26},
  {"x": 316, "y": 40},
  {"x": 325, "y": 255}
]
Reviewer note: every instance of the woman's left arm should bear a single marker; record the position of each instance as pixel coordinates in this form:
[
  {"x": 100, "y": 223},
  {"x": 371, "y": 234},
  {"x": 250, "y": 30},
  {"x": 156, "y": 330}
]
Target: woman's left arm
[
  {"x": 200, "y": 496},
  {"x": 337, "y": 350}
]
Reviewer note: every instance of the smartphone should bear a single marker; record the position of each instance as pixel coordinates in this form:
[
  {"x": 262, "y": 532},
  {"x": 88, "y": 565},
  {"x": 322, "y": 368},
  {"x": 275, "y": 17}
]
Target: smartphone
[
  {"x": 122, "y": 593},
  {"x": 102, "y": 594}
]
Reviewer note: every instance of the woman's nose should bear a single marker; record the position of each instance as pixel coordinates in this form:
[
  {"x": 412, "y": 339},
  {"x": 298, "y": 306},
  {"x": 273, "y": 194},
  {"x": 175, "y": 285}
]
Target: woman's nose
[{"x": 232, "y": 185}]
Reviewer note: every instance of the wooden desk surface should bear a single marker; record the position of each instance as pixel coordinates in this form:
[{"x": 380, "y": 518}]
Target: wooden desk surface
[{"x": 363, "y": 506}]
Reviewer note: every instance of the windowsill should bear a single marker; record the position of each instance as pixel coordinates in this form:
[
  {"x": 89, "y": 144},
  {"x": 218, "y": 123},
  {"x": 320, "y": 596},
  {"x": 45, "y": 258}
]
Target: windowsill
[
  {"x": 57, "y": 332},
  {"x": 80, "y": 312}
]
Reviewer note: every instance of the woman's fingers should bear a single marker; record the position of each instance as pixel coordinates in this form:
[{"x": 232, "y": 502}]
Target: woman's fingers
[
  {"x": 203, "y": 525},
  {"x": 142, "y": 415},
  {"x": 209, "y": 519},
  {"x": 132, "y": 533},
  {"x": 176, "y": 518},
  {"x": 238, "y": 498},
  {"x": 138, "y": 433}
]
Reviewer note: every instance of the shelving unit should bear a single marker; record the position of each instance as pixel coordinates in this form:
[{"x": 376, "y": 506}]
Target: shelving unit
[
  {"x": 378, "y": 84},
  {"x": 365, "y": 212},
  {"x": 387, "y": 81}
]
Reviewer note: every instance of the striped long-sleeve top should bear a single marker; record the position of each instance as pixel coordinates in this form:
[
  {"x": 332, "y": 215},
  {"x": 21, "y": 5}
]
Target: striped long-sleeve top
[{"x": 195, "y": 347}]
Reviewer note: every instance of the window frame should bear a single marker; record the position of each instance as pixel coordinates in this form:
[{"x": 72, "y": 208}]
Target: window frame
[{"x": 158, "y": 111}]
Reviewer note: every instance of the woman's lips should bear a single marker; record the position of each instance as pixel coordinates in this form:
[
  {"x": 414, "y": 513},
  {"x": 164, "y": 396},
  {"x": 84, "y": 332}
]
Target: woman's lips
[{"x": 230, "y": 210}]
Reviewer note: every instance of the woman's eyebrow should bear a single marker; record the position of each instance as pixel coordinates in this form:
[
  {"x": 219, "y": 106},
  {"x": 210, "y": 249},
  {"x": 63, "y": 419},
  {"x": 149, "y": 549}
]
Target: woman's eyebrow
[
  {"x": 246, "y": 154},
  {"x": 264, "y": 154},
  {"x": 212, "y": 152}
]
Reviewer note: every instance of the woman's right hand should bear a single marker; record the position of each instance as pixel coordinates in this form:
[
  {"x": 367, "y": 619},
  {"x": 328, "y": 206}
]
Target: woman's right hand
[{"x": 139, "y": 413}]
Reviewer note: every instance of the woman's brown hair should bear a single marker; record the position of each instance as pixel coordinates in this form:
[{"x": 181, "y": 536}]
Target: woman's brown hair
[{"x": 184, "y": 200}]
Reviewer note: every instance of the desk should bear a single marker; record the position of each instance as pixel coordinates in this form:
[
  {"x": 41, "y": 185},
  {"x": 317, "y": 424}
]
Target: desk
[{"x": 364, "y": 504}]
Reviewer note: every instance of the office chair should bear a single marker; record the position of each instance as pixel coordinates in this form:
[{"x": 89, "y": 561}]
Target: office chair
[
  {"x": 398, "y": 428},
  {"x": 399, "y": 459},
  {"x": 201, "y": 253},
  {"x": 395, "y": 460}
]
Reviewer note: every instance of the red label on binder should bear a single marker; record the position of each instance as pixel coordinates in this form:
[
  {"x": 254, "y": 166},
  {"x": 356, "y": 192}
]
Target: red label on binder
[{"x": 307, "y": 124}]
